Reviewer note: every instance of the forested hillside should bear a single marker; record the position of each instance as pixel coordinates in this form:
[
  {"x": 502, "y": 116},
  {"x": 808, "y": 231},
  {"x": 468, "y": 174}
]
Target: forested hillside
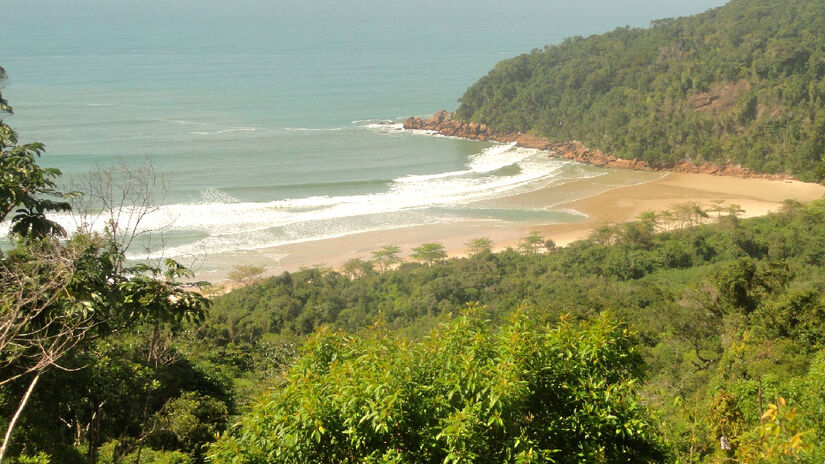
[
  {"x": 727, "y": 318},
  {"x": 741, "y": 84}
]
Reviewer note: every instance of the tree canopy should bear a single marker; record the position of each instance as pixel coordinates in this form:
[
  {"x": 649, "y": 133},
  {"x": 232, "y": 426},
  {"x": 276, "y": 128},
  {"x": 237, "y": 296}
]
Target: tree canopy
[
  {"x": 429, "y": 253},
  {"x": 24, "y": 184},
  {"x": 527, "y": 392},
  {"x": 728, "y": 312}
]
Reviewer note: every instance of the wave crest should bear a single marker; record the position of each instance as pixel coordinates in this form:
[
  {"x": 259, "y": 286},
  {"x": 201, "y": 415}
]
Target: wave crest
[{"x": 220, "y": 222}]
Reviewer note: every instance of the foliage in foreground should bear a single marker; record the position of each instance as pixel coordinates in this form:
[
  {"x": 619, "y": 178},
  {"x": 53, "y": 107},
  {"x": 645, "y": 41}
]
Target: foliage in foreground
[
  {"x": 69, "y": 378},
  {"x": 528, "y": 392},
  {"x": 730, "y": 317}
]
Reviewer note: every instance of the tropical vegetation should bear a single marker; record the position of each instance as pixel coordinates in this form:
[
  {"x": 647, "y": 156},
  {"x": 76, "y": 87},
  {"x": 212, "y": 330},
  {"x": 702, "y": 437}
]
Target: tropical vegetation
[
  {"x": 689, "y": 335},
  {"x": 742, "y": 84}
]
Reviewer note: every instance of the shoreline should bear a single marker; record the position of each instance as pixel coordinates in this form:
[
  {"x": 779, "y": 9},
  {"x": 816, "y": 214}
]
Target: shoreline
[
  {"x": 617, "y": 204},
  {"x": 442, "y": 123}
]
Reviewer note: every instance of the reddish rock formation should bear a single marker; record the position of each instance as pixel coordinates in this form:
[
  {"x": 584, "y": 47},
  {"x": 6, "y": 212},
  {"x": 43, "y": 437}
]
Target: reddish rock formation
[
  {"x": 443, "y": 123},
  {"x": 719, "y": 99}
]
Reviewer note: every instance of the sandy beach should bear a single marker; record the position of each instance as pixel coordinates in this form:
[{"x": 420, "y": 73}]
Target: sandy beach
[{"x": 613, "y": 204}]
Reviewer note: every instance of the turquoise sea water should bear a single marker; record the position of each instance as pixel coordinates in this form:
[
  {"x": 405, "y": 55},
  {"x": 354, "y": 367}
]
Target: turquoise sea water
[{"x": 278, "y": 121}]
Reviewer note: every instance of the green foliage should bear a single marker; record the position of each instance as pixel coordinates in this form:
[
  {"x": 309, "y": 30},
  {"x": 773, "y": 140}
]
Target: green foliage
[
  {"x": 245, "y": 273},
  {"x": 188, "y": 422},
  {"x": 527, "y": 392},
  {"x": 429, "y": 253},
  {"x": 718, "y": 307},
  {"x": 65, "y": 307},
  {"x": 387, "y": 256},
  {"x": 189, "y": 401},
  {"x": 480, "y": 245},
  {"x": 109, "y": 455},
  {"x": 726, "y": 418},
  {"x": 25, "y": 185},
  {"x": 533, "y": 243},
  {"x": 779, "y": 439},
  {"x": 666, "y": 94},
  {"x": 39, "y": 458}
]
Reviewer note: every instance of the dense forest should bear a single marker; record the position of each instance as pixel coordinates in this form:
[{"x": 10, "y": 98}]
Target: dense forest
[
  {"x": 741, "y": 84},
  {"x": 727, "y": 320}
]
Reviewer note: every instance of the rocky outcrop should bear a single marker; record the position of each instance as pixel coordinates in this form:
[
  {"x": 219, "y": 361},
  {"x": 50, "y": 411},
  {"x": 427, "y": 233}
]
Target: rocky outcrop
[
  {"x": 719, "y": 99},
  {"x": 443, "y": 123}
]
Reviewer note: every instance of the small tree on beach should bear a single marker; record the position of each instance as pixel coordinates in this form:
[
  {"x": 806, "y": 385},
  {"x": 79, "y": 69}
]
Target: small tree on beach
[
  {"x": 651, "y": 220},
  {"x": 533, "y": 243},
  {"x": 734, "y": 210},
  {"x": 245, "y": 273},
  {"x": 717, "y": 207},
  {"x": 605, "y": 234},
  {"x": 480, "y": 245},
  {"x": 429, "y": 253},
  {"x": 357, "y": 267},
  {"x": 387, "y": 256},
  {"x": 689, "y": 214}
]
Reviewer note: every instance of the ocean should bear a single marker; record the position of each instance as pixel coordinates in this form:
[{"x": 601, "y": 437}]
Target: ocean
[{"x": 279, "y": 122}]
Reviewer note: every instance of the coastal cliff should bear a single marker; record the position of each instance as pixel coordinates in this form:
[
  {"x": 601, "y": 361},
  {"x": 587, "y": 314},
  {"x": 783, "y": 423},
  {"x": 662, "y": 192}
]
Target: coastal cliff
[{"x": 442, "y": 122}]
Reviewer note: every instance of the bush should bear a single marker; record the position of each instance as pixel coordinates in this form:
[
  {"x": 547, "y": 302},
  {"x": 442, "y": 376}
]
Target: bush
[{"x": 467, "y": 393}]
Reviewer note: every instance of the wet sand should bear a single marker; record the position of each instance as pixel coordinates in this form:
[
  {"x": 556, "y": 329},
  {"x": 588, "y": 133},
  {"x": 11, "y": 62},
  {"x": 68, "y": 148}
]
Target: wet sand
[
  {"x": 613, "y": 202},
  {"x": 756, "y": 197}
]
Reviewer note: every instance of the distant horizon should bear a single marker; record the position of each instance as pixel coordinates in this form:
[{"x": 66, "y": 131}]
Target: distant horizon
[{"x": 51, "y": 22}]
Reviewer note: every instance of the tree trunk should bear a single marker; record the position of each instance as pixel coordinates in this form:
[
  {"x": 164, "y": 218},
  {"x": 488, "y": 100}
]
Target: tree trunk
[
  {"x": 7, "y": 438},
  {"x": 759, "y": 397},
  {"x": 152, "y": 355},
  {"x": 93, "y": 433}
]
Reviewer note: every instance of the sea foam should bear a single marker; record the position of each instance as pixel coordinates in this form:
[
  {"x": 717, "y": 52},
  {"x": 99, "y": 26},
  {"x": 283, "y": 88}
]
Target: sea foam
[
  {"x": 226, "y": 131},
  {"x": 224, "y": 223},
  {"x": 313, "y": 129}
]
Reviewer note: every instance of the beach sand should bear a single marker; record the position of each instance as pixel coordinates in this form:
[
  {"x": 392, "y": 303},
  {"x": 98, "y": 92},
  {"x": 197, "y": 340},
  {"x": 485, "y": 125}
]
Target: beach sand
[
  {"x": 756, "y": 197},
  {"x": 613, "y": 203}
]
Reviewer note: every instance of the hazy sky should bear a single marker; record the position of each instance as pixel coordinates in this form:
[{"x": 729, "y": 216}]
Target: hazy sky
[
  {"x": 18, "y": 13},
  {"x": 67, "y": 27}
]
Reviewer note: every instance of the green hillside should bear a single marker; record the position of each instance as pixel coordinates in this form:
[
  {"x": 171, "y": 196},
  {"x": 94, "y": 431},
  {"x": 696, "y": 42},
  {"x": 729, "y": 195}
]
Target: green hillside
[
  {"x": 724, "y": 323},
  {"x": 741, "y": 84}
]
